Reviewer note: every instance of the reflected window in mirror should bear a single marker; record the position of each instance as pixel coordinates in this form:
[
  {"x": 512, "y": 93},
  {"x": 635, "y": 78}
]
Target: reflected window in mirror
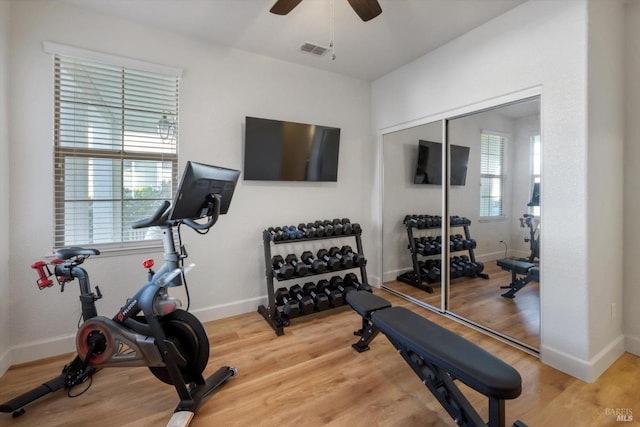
[
  {"x": 535, "y": 175},
  {"x": 492, "y": 174}
]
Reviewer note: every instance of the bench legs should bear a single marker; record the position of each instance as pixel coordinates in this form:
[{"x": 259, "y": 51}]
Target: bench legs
[
  {"x": 439, "y": 381},
  {"x": 366, "y": 334},
  {"x": 517, "y": 283}
]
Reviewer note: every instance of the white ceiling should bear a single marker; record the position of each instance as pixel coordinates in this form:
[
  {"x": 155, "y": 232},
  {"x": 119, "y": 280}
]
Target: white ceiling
[{"x": 406, "y": 30}]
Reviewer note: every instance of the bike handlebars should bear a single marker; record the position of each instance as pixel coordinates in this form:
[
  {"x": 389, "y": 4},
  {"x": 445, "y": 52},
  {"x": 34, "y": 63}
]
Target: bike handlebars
[
  {"x": 155, "y": 219},
  {"x": 161, "y": 215},
  {"x": 214, "y": 211}
]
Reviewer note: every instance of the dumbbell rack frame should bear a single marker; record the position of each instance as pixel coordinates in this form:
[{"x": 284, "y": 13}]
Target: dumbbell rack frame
[
  {"x": 271, "y": 313},
  {"x": 415, "y": 277}
]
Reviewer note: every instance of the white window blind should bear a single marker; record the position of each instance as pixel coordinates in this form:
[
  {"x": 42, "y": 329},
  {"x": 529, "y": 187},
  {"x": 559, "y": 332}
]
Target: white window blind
[
  {"x": 115, "y": 147},
  {"x": 491, "y": 175}
]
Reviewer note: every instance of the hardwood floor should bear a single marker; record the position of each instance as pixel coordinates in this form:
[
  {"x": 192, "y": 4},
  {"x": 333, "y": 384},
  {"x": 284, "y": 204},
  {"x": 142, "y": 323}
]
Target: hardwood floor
[
  {"x": 312, "y": 377},
  {"x": 480, "y": 301}
]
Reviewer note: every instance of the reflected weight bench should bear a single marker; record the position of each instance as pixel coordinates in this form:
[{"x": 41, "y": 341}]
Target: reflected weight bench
[
  {"x": 439, "y": 357},
  {"x": 526, "y": 270}
]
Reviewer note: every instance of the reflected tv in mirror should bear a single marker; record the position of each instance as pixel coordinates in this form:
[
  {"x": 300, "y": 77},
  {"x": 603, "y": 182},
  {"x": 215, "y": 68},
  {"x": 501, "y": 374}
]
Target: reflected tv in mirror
[
  {"x": 429, "y": 166},
  {"x": 276, "y": 150}
]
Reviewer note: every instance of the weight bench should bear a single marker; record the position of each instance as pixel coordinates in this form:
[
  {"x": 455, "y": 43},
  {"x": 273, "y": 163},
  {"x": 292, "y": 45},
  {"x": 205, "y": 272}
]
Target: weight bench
[
  {"x": 526, "y": 270},
  {"x": 439, "y": 357}
]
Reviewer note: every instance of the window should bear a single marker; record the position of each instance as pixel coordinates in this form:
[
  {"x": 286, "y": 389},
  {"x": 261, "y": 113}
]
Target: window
[
  {"x": 491, "y": 175},
  {"x": 115, "y": 148}
]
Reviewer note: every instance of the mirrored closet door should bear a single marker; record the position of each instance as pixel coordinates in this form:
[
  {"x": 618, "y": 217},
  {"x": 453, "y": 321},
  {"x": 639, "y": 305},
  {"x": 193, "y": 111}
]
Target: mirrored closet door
[
  {"x": 481, "y": 266},
  {"x": 407, "y": 195}
]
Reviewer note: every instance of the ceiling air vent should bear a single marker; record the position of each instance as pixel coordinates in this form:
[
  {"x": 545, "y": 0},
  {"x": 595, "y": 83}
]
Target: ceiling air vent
[{"x": 313, "y": 48}]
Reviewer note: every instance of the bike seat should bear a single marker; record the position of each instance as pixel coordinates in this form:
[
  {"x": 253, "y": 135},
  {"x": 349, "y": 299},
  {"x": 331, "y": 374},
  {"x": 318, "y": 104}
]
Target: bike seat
[{"x": 68, "y": 253}]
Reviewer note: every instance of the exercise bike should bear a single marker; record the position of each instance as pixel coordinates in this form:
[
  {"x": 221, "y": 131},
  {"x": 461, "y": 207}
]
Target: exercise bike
[
  {"x": 525, "y": 270},
  {"x": 150, "y": 330},
  {"x": 528, "y": 221}
]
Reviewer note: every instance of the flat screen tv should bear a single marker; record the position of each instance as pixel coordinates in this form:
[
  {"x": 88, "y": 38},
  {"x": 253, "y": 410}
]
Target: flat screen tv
[
  {"x": 276, "y": 150},
  {"x": 429, "y": 166}
]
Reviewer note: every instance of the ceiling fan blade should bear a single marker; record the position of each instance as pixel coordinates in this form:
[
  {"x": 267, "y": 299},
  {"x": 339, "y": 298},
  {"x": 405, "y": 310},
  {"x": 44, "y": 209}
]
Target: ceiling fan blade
[
  {"x": 282, "y": 7},
  {"x": 366, "y": 9}
]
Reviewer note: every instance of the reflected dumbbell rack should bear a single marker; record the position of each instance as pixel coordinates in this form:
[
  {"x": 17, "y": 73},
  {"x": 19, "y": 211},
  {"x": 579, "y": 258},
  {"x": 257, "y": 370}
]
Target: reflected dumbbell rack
[{"x": 427, "y": 271}]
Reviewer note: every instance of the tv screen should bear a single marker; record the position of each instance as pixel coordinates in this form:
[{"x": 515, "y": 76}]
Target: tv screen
[
  {"x": 429, "y": 167},
  {"x": 277, "y": 150}
]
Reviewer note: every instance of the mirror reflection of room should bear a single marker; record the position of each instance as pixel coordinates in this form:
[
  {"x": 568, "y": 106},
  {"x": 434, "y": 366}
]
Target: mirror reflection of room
[
  {"x": 402, "y": 197},
  {"x": 494, "y": 213},
  {"x": 500, "y": 200}
]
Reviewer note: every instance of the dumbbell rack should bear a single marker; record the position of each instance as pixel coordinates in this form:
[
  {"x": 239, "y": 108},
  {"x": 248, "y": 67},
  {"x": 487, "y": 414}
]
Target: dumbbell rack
[
  {"x": 415, "y": 277},
  {"x": 271, "y": 313}
]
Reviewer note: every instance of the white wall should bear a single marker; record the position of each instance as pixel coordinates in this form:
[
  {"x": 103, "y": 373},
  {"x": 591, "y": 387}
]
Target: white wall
[
  {"x": 605, "y": 179},
  {"x": 631, "y": 290},
  {"x": 220, "y": 86},
  {"x": 538, "y": 44},
  {"x": 4, "y": 186}
]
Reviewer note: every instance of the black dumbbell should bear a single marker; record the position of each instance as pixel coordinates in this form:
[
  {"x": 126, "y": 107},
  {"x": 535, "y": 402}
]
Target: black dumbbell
[
  {"x": 321, "y": 300},
  {"x": 277, "y": 234},
  {"x": 317, "y": 265},
  {"x": 308, "y": 230},
  {"x": 299, "y": 268},
  {"x": 305, "y": 302},
  {"x": 433, "y": 274},
  {"x": 332, "y": 262},
  {"x": 335, "y": 296},
  {"x": 346, "y": 226},
  {"x": 338, "y": 228},
  {"x": 355, "y": 228},
  {"x": 282, "y": 269},
  {"x": 328, "y": 228},
  {"x": 338, "y": 283},
  {"x": 358, "y": 259},
  {"x": 290, "y": 307},
  {"x": 345, "y": 261},
  {"x": 351, "y": 279}
]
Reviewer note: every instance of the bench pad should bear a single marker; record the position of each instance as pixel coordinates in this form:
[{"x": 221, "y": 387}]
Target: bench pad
[
  {"x": 520, "y": 267},
  {"x": 463, "y": 359},
  {"x": 364, "y": 303}
]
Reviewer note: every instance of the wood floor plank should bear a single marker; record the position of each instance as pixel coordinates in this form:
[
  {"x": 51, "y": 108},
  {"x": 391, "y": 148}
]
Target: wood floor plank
[{"x": 311, "y": 376}]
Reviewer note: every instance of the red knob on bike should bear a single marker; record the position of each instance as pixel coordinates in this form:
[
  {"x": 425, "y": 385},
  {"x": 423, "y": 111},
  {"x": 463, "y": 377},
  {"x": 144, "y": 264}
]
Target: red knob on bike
[
  {"x": 43, "y": 280},
  {"x": 147, "y": 263}
]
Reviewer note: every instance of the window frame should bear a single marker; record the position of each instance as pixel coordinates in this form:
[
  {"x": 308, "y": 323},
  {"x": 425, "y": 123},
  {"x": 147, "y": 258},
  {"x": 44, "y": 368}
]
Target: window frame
[{"x": 120, "y": 154}]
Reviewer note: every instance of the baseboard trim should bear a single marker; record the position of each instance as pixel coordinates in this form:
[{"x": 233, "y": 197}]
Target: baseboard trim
[
  {"x": 585, "y": 370},
  {"x": 66, "y": 344},
  {"x": 221, "y": 311},
  {"x": 40, "y": 349},
  {"x": 5, "y": 362},
  {"x": 391, "y": 275},
  {"x": 632, "y": 345}
]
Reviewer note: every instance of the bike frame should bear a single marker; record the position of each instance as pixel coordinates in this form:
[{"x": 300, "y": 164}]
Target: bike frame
[{"x": 147, "y": 336}]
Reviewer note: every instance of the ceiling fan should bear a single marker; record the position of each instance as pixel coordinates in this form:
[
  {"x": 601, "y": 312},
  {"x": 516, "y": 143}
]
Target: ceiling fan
[{"x": 366, "y": 9}]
